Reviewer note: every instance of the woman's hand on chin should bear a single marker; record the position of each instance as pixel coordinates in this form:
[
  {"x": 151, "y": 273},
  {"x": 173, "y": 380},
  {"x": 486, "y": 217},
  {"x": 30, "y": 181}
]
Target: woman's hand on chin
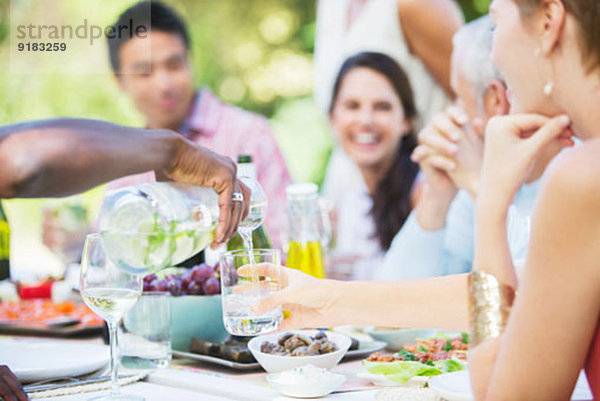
[{"x": 513, "y": 145}]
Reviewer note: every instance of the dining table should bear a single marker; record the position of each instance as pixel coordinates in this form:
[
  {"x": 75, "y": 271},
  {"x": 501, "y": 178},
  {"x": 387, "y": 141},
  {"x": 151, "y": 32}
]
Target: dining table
[{"x": 189, "y": 379}]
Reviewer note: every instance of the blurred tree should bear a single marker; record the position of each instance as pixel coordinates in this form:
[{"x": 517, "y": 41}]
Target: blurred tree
[
  {"x": 4, "y": 4},
  {"x": 254, "y": 53},
  {"x": 474, "y": 8}
]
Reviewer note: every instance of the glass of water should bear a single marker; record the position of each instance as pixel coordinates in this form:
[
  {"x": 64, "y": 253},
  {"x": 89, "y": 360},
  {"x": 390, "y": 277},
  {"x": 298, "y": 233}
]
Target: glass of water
[
  {"x": 110, "y": 293},
  {"x": 145, "y": 333},
  {"x": 240, "y": 294}
]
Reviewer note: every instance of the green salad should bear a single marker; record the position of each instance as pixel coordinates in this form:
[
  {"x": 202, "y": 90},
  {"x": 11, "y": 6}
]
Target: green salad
[{"x": 429, "y": 357}]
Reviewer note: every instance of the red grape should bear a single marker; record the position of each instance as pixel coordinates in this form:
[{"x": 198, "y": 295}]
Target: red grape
[
  {"x": 186, "y": 279},
  {"x": 211, "y": 286},
  {"x": 150, "y": 278},
  {"x": 174, "y": 287},
  {"x": 201, "y": 272},
  {"x": 194, "y": 288},
  {"x": 148, "y": 286},
  {"x": 217, "y": 271},
  {"x": 171, "y": 277},
  {"x": 160, "y": 285}
]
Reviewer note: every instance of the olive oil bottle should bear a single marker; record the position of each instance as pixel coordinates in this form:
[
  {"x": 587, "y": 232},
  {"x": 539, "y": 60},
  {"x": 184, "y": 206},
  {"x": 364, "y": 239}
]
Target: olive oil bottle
[
  {"x": 305, "y": 253},
  {"x": 4, "y": 246}
]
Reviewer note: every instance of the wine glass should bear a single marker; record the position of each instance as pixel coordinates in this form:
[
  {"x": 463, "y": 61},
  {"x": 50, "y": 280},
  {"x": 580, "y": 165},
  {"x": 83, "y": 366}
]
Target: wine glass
[
  {"x": 109, "y": 292},
  {"x": 518, "y": 232}
]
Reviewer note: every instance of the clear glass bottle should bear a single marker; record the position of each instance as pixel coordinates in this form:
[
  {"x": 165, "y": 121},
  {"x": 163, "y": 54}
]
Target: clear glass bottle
[
  {"x": 260, "y": 240},
  {"x": 151, "y": 226},
  {"x": 4, "y": 245},
  {"x": 305, "y": 252}
]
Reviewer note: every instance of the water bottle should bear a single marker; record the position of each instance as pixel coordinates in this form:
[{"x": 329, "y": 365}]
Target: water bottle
[{"x": 246, "y": 168}]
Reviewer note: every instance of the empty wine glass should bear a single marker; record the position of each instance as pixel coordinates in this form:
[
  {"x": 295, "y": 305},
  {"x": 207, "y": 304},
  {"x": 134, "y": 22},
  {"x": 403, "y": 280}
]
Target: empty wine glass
[{"x": 109, "y": 292}]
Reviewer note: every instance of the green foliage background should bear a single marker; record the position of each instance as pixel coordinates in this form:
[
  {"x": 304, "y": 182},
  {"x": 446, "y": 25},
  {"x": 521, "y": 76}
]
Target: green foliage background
[{"x": 253, "y": 53}]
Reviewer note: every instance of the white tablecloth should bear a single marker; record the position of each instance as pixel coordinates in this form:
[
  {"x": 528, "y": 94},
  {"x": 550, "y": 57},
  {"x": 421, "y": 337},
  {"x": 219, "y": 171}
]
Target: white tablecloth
[{"x": 152, "y": 392}]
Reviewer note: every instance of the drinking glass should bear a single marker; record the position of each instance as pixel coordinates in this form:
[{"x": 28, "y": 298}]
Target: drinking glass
[
  {"x": 109, "y": 292},
  {"x": 145, "y": 333},
  {"x": 65, "y": 226},
  {"x": 240, "y": 294},
  {"x": 518, "y": 232}
]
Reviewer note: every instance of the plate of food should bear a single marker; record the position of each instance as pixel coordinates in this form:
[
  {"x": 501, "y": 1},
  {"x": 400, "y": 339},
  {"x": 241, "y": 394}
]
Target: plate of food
[
  {"x": 456, "y": 386},
  {"x": 416, "y": 362},
  {"x": 44, "y": 317},
  {"x": 234, "y": 352}
]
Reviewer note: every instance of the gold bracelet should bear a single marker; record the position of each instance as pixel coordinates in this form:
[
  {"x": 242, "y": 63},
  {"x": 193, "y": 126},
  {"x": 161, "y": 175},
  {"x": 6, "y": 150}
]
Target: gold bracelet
[{"x": 489, "y": 306}]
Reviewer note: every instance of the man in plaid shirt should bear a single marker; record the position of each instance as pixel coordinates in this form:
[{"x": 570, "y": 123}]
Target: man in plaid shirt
[{"x": 154, "y": 68}]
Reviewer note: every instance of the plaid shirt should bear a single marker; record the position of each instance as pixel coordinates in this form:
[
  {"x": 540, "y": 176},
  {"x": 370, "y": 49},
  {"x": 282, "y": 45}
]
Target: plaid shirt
[{"x": 230, "y": 131}]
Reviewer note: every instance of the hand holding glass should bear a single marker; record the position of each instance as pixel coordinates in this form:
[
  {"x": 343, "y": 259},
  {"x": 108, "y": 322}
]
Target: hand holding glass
[{"x": 241, "y": 294}]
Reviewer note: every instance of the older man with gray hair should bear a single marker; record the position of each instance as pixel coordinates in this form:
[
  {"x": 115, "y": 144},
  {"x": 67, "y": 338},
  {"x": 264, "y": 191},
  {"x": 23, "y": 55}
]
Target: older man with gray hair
[{"x": 438, "y": 238}]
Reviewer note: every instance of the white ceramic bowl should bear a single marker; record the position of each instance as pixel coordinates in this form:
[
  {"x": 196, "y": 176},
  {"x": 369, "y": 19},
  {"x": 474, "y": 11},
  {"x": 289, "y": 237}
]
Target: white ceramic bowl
[
  {"x": 279, "y": 363},
  {"x": 317, "y": 387},
  {"x": 396, "y": 338}
]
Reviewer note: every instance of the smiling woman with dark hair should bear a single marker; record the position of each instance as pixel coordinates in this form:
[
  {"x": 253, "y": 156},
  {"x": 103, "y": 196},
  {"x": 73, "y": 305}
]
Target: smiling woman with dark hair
[{"x": 373, "y": 111}]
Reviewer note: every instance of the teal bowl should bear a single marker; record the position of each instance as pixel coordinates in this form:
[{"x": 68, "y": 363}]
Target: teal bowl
[{"x": 198, "y": 316}]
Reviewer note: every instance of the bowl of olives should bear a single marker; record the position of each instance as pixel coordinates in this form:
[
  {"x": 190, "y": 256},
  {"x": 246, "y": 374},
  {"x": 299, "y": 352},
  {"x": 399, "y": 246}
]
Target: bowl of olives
[{"x": 283, "y": 351}]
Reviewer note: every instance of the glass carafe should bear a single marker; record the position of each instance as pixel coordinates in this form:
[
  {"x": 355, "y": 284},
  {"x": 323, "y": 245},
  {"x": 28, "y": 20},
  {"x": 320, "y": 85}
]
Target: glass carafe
[{"x": 150, "y": 226}]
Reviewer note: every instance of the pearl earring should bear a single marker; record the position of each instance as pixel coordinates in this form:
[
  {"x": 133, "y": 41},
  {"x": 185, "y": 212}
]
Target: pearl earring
[{"x": 548, "y": 88}]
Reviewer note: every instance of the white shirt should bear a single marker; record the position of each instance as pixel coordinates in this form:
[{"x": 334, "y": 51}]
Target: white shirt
[
  {"x": 417, "y": 253},
  {"x": 355, "y": 230}
]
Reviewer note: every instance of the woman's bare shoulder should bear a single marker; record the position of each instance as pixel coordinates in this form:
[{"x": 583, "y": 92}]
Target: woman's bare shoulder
[
  {"x": 427, "y": 6},
  {"x": 575, "y": 173}
]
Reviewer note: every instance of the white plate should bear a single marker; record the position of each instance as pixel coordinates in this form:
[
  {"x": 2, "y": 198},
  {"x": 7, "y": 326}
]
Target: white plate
[
  {"x": 383, "y": 381},
  {"x": 216, "y": 360},
  {"x": 456, "y": 386},
  {"x": 396, "y": 338},
  {"x": 365, "y": 348},
  {"x": 40, "y": 359}
]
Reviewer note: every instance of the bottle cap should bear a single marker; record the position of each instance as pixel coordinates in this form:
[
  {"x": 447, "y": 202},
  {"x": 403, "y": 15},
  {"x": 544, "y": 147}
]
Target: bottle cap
[
  {"x": 244, "y": 158},
  {"x": 304, "y": 190}
]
